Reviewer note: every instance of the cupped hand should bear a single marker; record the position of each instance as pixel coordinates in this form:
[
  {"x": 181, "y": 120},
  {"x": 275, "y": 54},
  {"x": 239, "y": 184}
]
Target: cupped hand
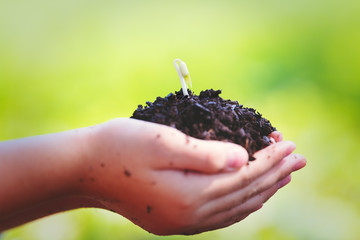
[{"x": 170, "y": 183}]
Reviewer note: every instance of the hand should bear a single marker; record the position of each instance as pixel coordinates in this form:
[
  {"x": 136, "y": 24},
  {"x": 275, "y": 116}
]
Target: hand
[{"x": 169, "y": 183}]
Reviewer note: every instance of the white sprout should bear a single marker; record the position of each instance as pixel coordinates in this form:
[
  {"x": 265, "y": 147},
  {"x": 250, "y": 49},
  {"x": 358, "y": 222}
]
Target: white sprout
[{"x": 184, "y": 75}]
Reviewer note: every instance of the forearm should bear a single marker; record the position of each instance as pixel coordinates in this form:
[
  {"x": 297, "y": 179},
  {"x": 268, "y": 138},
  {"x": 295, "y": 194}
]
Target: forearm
[
  {"x": 39, "y": 170},
  {"x": 46, "y": 208}
]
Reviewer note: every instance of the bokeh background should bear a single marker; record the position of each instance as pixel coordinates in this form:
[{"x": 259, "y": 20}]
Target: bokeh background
[{"x": 74, "y": 63}]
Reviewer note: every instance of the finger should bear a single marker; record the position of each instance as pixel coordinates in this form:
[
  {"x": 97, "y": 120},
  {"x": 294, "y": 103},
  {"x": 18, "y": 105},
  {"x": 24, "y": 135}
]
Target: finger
[
  {"x": 277, "y": 136},
  {"x": 205, "y": 228},
  {"x": 284, "y": 181},
  {"x": 230, "y": 221},
  {"x": 171, "y": 149},
  {"x": 238, "y": 198},
  {"x": 283, "y": 169},
  {"x": 238, "y": 212},
  {"x": 184, "y": 152},
  {"x": 266, "y": 159}
]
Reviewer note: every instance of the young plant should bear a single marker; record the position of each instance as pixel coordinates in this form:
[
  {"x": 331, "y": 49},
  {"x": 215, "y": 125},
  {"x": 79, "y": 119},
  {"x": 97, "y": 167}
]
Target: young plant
[{"x": 184, "y": 75}]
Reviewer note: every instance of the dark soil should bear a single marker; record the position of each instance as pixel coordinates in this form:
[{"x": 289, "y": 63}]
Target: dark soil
[{"x": 209, "y": 117}]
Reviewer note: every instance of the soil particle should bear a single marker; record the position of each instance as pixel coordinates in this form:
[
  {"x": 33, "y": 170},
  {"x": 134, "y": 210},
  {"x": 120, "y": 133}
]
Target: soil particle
[
  {"x": 148, "y": 208},
  {"x": 208, "y": 116},
  {"x": 127, "y": 173}
]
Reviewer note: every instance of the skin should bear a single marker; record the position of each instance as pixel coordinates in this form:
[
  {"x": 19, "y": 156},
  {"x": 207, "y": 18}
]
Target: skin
[{"x": 154, "y": 175}]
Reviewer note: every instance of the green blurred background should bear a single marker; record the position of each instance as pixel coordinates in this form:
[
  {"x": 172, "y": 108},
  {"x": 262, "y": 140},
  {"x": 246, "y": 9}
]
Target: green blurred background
[{"x": 73, "y": 63}]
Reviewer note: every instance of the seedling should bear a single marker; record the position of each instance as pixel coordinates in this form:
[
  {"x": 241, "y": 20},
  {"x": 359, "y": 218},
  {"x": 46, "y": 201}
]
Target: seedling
[{"x": 184, "y": 75}]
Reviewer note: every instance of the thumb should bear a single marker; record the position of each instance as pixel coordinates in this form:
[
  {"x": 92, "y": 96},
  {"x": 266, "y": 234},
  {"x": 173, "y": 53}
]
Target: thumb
[{"x": 209, "y": 156}]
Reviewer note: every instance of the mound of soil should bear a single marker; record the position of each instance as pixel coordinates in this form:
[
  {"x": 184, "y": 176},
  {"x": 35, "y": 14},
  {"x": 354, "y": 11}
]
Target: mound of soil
[{"x": 209, "y": 117}]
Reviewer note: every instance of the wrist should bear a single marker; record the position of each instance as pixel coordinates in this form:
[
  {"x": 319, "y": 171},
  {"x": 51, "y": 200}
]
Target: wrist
[
  {"x": 78, "y": 168},
  {"x": 99, "y": 157},
  {"x": 71, "y": 151},
  {"x": 91, "y": 164}
]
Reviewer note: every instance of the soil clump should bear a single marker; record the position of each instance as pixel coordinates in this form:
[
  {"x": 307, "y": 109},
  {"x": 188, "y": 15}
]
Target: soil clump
[{"x": 208, "y": 116}]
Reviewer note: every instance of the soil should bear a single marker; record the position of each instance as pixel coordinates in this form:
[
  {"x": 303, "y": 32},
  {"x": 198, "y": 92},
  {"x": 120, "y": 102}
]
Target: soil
[{"x": 208, "y": 116}]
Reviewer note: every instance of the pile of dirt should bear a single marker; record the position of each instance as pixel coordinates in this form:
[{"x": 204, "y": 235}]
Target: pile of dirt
[{"x": 208, "y": 116}]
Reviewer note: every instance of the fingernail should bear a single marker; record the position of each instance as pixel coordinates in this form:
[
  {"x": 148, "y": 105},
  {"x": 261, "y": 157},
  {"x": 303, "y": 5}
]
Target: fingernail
[
  {"x": 285, "y": 181},
  {"x": 299, "y": 165},
  {"x": 235, "y": 160}
]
